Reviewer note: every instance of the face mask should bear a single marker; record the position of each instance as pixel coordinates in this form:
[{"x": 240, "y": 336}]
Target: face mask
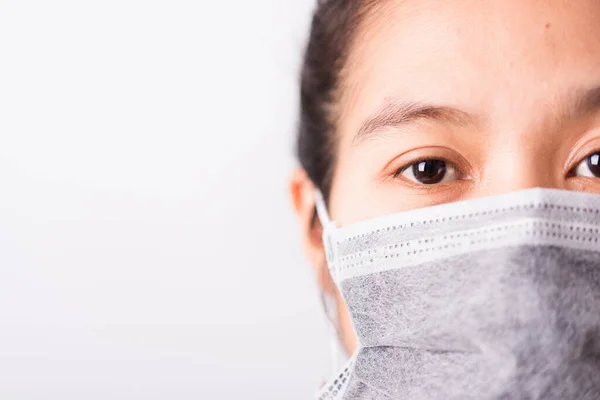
[
  {"x": 493, "y": 298},
  {"x": 338, "y": 356}
]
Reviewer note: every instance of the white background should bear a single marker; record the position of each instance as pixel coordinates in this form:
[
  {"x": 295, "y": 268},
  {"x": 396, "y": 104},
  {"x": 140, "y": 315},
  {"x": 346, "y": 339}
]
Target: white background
[{"x": 148, "y": 249}]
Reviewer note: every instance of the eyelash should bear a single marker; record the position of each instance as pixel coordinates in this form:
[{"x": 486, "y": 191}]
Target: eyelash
[
  {"x": 452, "y": 167},
  {"x": 405, "y": 167},
  {"x": 441, "y": 171},
  {"x": 573, "y": 170}
]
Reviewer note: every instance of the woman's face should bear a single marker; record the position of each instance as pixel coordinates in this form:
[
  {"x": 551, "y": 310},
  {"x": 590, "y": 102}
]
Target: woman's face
[{"x": 452, "y": 100}]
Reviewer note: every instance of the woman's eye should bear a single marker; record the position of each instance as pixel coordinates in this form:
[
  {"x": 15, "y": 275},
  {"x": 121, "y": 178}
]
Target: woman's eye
[
  {"x": 590, "y": 166},
  {"x": 429, "y": 172}
]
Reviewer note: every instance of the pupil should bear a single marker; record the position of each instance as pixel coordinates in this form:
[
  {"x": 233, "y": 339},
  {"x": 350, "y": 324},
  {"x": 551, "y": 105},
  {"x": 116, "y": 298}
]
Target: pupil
[
  {"x": 430, "y": 172},
  {"x": 593, "y": 163}
]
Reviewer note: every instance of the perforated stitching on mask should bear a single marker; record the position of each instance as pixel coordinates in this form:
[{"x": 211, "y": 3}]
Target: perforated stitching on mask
[
  {"x": 548, "y": 229},
  {"x": 334, "y": 388},
  {"x": 544, "y": 233},
  {"x": 544, "y": 206}
]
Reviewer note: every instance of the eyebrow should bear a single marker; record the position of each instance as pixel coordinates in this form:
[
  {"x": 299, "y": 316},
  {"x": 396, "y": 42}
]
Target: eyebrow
[
  {"x": 396, "y": 114},
  {"x": 586, "y": 101}
]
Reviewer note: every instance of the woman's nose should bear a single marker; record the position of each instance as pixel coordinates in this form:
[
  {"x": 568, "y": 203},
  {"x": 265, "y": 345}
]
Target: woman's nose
[{"x": 516, "y": 170}]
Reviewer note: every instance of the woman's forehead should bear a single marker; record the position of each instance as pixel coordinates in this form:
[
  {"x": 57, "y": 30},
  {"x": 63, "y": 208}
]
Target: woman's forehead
[{"x": 491, "y": 57}]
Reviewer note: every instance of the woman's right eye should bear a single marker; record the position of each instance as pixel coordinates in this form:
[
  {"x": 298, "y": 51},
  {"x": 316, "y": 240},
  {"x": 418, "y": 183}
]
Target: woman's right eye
[
  {"x": 429, "y": 172},
  {"x": 589, "y": 166}
]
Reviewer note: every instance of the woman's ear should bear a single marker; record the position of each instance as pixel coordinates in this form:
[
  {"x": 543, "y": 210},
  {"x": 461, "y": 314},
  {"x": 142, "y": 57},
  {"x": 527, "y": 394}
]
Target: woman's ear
[{"x": 302, "y": 192}]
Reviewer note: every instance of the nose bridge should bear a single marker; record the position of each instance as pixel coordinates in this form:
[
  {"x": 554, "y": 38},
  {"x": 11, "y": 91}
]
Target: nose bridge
[{"x": 518, "y": 165}]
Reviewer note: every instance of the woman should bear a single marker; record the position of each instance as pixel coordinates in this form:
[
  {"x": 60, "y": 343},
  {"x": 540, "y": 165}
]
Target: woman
[{"x": 452, "y": 143}]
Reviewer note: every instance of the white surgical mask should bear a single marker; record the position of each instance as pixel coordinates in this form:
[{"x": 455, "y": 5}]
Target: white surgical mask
[{"x": 492, "y": 298}]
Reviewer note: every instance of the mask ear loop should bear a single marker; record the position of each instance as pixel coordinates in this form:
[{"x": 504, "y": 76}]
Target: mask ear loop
[
  {"x": 338, "y": 353},
  {"x": 328, "y": 230},
  {"x": 322, "y": 210}
]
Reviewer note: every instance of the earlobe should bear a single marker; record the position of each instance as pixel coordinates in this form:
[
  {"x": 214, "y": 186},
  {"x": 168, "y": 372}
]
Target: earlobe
[{"x": 302, "y": 193}]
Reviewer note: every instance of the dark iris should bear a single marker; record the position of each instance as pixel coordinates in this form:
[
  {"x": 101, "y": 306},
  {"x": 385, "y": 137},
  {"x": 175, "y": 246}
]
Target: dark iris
[
  {"x": 593, "y": 163},
  {"x": 430, "y": 172}
]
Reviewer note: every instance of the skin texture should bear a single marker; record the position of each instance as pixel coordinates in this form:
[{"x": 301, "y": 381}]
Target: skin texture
[{"x": 505, "y": 92}]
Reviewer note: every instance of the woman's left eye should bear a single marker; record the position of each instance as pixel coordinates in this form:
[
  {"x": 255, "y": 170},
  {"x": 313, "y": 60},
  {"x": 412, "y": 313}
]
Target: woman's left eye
[
  {"x": 589, "y": 166},
  {"x": 429, "y": 172}
]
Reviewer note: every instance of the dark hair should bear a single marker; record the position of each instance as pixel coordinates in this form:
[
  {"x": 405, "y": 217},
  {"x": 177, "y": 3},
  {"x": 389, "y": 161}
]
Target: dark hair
[{"x": 333, "y": 25}]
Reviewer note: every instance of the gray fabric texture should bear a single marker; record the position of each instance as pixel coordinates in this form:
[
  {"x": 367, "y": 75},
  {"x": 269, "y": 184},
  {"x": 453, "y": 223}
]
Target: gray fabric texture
[
  {"x": 360, "y": 390},
  {"x": 516, "y": 322}
]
